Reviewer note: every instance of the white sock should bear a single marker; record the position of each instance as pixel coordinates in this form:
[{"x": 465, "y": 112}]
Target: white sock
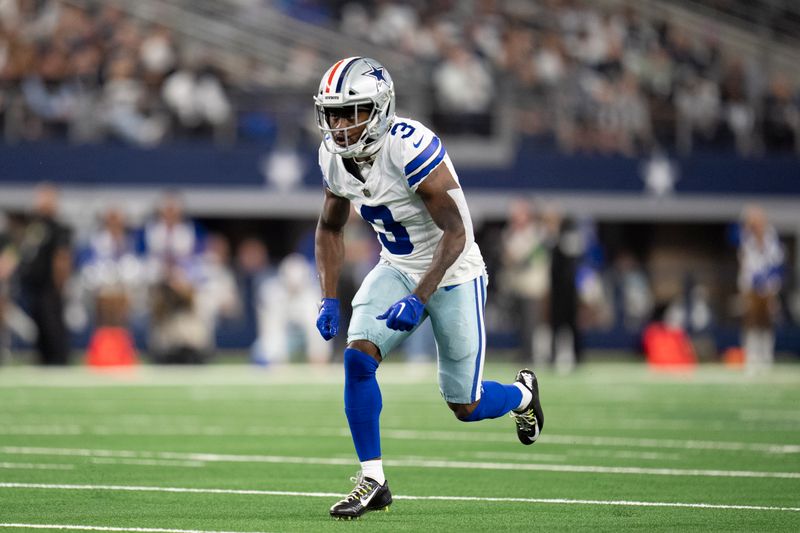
[
  {"x": 527, "y": 396},
  {"x": 751, "y": 346},
  {"x": 373, "y": 469}
]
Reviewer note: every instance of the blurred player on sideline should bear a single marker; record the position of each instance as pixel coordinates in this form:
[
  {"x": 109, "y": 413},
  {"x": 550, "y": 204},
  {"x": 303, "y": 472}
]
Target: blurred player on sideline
[{"x": 397, "y": 174}]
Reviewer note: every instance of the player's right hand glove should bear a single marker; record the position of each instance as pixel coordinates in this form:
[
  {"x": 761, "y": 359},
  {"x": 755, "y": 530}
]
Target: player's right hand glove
[
  {"x": 328, "y": 318},
  {"x": 405, "y": 314}
]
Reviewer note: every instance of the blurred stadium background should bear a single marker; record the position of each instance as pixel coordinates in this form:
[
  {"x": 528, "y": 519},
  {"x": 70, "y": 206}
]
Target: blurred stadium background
[{"x": 641, "y": 129}]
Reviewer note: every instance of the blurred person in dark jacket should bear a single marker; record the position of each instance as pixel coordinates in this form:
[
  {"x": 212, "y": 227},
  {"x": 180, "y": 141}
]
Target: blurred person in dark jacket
[
  {"x": 8, "y": 262},
  {"x": 45, "y": 266},
  {"x": 568, "y": 247}
]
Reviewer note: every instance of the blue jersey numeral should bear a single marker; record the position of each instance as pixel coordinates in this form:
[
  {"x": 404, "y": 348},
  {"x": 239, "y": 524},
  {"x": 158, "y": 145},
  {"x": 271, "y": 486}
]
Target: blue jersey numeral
[
  {"x": 401, "y": 245},
  {"x": 401, "y": 127}
]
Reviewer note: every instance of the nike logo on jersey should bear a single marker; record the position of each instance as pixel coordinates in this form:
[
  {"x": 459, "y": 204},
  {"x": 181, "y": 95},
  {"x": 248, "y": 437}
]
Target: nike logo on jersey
[{"x": 416, "y": 144}]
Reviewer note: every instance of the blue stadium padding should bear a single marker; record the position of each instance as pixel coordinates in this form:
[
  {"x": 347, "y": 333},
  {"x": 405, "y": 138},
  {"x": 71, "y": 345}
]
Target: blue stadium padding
[{"x": 199, "y": 163}]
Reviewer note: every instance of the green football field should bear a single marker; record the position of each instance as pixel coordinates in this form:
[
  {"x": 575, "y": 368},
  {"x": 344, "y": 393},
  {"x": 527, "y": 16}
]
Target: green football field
[{"x": 238, "y": 448}]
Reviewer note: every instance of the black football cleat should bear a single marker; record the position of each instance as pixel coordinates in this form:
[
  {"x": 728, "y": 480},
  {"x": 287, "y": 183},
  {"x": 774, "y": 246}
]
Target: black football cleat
[
  {"x": 530, "y": 421},
  {"x": 368, "y": 495}
]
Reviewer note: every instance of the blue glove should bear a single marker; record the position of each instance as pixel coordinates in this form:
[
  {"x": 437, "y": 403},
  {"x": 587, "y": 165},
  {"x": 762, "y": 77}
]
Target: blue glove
[
  {"x": 328, "y": 318},
  {"x": 405, "y": 314}
]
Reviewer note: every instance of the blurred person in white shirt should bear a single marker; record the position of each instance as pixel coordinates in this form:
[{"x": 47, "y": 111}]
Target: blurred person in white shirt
[
  {"x": 287, "y": 307},
  {"x": 760, "y": 280}
]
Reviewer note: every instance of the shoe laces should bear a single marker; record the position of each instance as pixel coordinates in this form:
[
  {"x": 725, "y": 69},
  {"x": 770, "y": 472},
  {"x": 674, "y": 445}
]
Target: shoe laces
[
  {"x": 361, "y": 489},
  {"x": 525, "y": 420}
]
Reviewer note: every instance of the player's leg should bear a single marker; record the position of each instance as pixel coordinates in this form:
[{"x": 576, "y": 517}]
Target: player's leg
[
  {"x": 368, "y": 341},
  {"x": 458, "y": 324}
]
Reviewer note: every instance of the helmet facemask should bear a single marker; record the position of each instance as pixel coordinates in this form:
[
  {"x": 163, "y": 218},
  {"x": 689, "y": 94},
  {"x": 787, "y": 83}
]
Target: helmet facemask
[{"x": 349, "y": 148}]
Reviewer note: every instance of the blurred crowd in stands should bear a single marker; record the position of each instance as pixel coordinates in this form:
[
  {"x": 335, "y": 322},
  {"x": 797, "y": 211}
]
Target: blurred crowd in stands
[
  {"x": 167, "y": 280},
  {"x": 591, "y": 79},
  {"x": 171, "y": 289},
  {"x": 66, "y": 72},
  {"x": 597, "y": 80}
]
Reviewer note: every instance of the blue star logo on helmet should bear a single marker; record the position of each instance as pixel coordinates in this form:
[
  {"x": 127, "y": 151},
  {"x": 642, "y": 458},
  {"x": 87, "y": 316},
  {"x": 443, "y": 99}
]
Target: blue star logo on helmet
[{"x": 377, "y": 73}]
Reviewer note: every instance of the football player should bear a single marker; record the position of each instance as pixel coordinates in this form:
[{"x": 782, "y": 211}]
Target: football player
[{"x": 398, "y": 176}]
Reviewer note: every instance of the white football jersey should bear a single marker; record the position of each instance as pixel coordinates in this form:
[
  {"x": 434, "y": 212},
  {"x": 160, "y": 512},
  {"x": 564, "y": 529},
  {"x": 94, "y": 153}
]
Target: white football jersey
[{"x": 387, "y": 199}]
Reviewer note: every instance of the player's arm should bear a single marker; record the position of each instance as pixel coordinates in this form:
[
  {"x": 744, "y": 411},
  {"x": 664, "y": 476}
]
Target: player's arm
[
  {"x": 329, "y": 250},
  {"x": 445, "y": 202},
  {"x": 329, "y": 242}
]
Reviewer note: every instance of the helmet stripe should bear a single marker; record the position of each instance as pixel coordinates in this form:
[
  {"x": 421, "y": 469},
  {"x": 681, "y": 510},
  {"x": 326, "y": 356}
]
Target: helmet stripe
[
  {"x": 344, "y": 72},
  {"x": 330, "y": 77}
]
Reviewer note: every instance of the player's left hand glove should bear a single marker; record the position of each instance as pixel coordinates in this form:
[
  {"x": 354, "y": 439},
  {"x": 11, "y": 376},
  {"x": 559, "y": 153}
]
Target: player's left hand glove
[{"x": 405, "y": 314}]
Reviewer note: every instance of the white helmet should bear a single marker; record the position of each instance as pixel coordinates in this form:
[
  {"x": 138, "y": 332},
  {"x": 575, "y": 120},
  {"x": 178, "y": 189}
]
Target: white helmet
[{"x": 357, "y": 82}]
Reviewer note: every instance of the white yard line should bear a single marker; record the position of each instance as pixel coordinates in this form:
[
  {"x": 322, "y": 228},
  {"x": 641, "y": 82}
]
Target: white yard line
[
  {"x": 580, "y": 440},
  {"x": 403, "y": 434},
  {"x": 37, "y": 466},
  {"x": 75, "y": 527},
  {"x": 147, "y": 462},
  {"x": 40, "y": 429},
  {"x": 251, "y": 492},
  {"x": 621, "y": 454},
  {"x": 408, "y": 463},
  {"x": 237, "y": 375},
  {"x": 514, "y": 456}
]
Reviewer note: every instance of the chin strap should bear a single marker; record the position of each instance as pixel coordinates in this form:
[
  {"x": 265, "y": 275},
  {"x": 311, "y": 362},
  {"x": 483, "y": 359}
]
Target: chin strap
[{"x": 371, "y": 148}]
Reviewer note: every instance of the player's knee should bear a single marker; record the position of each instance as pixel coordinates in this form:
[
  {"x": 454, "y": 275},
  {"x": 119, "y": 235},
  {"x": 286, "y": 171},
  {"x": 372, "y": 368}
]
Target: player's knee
[
  {"x": 366, "y": 347},
  {"x": 358, "y": 364},
  {"x": 462, "y": 410}
]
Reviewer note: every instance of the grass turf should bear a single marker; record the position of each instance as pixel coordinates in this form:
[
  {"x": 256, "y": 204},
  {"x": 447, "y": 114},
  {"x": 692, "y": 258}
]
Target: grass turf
[{"x": 614, "y": 433}]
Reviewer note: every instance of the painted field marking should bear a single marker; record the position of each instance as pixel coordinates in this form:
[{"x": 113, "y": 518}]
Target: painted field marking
[
  {"x": 147, "y": 462},
  {"x": 252, "y": 492},
  {"x": 37, "y": 466},
  {"x": 408, "y": 463},
  {"x": 403, "y": 434},
  {"x": 75, "y": 527}
]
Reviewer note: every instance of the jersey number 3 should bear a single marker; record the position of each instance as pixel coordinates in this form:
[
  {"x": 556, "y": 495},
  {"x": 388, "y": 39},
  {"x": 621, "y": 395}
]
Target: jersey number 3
[{"x": 401, "y": 245}]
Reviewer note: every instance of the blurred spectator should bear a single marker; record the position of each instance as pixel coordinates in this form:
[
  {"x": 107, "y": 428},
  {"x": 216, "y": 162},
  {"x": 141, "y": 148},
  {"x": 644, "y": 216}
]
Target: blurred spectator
[
  {"x": 253, "y": 269},
  {"x": 464, "y": 91},
  {"x": 111, "y": 271},
  {"x": 196, "y": 97},
  {"x": 125, "y": 103},
  {"x": 178, "y": 332},
  {"x": 217, "y": 293},
  {"x": 171, "y": 240},
  {"x": 568, "y": 248},
  {"x": 739, "y": 114},
  {"x": 781, "y": 117},
  {"x": 634, "y": 290},
  {"x": 760, "y": 280},
  {"x": 287, "y": 309},
  {"x": 8, "y": 263},
  {"x": 45, "y": 266},
  {"x": 157, "y": 55},
  {"x": 48, "y": 95},
  {"x": 698, "y": 105},
  {"x": 526, "y": 276}
]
